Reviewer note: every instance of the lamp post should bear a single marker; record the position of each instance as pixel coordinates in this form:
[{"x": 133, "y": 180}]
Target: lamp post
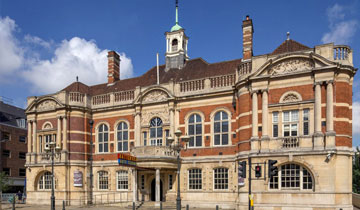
[
  {"x": 52, "y": 150},
  {"x": 177, "y": 147},
  {"x": 90, "y": 202}
]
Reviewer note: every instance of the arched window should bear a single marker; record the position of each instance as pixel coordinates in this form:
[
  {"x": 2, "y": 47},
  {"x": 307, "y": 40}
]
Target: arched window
[
  {"x": 122, "y": 137},
  {"x": 45, "y": 181},
  {"x": 221, "y": 128},
  {"x": 292, "y": 177},
  {"x": 221, "y": 178},
  {"x": 103, "y": 180},
  {"x": 195, "y": 130},
  {"x": 156, "y": 132},
  {"x": 122, "y": 180},
  {"x": 195, "y": 179},
  {"x": 174, "y": 45},
  {"x": 103, "y": 138}
]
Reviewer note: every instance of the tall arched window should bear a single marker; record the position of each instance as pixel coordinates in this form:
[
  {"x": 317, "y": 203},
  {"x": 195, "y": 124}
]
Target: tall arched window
[
  {"x": 103, "y": 180},
  {"x": 156, "y": 132},
  {"x": 174, "y": 45},
  {"x": 292, "y": 177},
  {"x": 195, "y": 130},
  {"x": 122, "y": 137},
  {"x": 45, "y": 181},
  {"x": 103, "y": 138},
  {"x": 221, "y": 128}
]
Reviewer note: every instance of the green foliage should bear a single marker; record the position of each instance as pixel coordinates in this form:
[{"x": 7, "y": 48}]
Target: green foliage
[
  {"x": 356, "y": 171},
  {"x": 4, "y": 182}
]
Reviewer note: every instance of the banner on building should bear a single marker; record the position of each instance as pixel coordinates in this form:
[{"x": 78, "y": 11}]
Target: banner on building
[
  {"x": 126, "y": 160},
  {"x": 78, "y": 179}
]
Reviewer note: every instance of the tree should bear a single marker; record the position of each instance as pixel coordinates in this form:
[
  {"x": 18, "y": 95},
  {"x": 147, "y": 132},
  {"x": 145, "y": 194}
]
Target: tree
[
  {"x": 356, "y": 171},
  {"x": 4, "y": 185}
]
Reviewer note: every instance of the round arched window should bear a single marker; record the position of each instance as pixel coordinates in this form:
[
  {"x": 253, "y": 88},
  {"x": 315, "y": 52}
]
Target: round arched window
[{"x": 156, "y": 132}]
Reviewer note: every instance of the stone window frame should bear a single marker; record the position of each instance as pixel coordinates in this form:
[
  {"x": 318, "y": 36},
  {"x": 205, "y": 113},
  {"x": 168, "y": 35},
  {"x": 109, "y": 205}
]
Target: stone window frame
[
  {"x": 116, "y": 135},
  {"x": 214, "y": 179},
  {"x": 277, "y": 179},
  {"x": 163, "y": 139},
  {"x": 97, "y": 127},
  {"x": 196, "y": 179},
  {"x": 101, "y": 175},
  {"x": 43, "y": 137},
  {"x": 122, "y": 180},
  {"x": 187, "y": 118},
  {"x": 212, "y": 120},
  {"x": 45, "y": 180}
]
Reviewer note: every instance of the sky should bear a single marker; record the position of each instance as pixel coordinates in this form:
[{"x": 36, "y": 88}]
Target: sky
[{"x": 45, "y": 44}]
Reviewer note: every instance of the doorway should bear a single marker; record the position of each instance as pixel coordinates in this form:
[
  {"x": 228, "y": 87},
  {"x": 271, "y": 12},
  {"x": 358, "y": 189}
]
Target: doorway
[{"x": 153, "y": 191}]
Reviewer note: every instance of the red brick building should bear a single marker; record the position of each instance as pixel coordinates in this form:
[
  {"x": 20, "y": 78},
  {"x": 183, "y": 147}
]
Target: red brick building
[{"x": 292, "y": 105}]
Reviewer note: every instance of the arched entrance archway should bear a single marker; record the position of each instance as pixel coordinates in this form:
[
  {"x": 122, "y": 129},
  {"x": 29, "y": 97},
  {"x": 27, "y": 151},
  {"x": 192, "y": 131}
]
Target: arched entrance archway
[{"x": 153, "y": 190}]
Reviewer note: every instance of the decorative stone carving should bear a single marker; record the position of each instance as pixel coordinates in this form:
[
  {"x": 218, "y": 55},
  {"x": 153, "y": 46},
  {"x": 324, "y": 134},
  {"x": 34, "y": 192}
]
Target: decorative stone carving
[
  {"x": 47, "y": 105},
  {"x": 291, "y": 65},
  {"x": 290, "y": 96},
  {"x": 147, "y": 115},
  {"x": 155, "y": 96}
]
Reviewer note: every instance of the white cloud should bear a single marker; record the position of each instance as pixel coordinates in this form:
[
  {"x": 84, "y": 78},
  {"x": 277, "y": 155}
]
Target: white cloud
[
  {"x": 71, "y": 58},
  {"x": 356, "y": 117},
  {"x": 341, "y": 30},
  {"x": 10, "y": 52},
  {"x": 76, "y": 57}
]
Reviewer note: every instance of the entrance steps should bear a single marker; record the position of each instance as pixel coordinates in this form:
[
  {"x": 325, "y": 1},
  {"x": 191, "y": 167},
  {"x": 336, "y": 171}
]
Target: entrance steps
[{"x": 151, "y": 205}]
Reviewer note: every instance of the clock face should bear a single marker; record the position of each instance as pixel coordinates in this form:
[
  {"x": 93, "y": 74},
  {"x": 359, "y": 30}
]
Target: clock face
[{"x": 155, "y": 122}]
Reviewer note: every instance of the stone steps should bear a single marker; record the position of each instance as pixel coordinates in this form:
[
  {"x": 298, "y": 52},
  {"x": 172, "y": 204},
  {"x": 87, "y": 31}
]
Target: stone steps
[{"x": 154, "y": 205}]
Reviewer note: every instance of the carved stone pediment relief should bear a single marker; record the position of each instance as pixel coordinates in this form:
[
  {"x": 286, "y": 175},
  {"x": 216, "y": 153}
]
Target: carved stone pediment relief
[
  {"x": 290, "y": 97},
  {"x": 47, "y": 105},
  {"x": 155, "y": 96},
  {"x": 291, "y": 65},
  {"x": 147, "y": 115}
]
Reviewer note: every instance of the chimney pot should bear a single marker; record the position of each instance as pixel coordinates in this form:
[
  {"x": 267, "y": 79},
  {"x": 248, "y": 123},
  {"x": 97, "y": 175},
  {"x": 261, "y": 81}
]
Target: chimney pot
[
  {"x": 113, "y": 67},
  {"x": 248, "y": 31}
]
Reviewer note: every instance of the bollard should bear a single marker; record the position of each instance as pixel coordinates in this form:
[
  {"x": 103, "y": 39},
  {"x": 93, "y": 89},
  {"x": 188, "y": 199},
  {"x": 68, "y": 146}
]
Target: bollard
[
  {"x": 160, "y": 205},
  {"x": 13, "y": 203},
  {"x": 217, "y": 207},
  {"x": 133, "y": 205},
  {"x": 63, "y": 205},
  {"x": 187, "y": 206}
]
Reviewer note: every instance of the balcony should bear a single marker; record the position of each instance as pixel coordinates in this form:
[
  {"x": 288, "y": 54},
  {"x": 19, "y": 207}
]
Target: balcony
[
  {"x": 155, "y": 156},
  {"x": 290, "y": 142}
]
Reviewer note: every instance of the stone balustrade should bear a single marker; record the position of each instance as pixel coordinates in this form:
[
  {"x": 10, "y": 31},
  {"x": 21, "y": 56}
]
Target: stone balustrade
[
  {"x": 157, "y": 152},
  {"x": 222, "y": 81},
  {"x": 192, "y": 85}
]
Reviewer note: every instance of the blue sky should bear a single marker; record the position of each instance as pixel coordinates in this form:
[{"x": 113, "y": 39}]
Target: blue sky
[{"x": 45, "y": 44}]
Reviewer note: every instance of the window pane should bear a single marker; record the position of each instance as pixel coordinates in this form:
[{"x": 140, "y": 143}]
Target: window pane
[
  {"x": 225, "y": 126},
  {"x": 101, "y": 148},
  {"x": 217, "y": 127},
  {"x": 191, "y": 142},
  {"x": 159, "y": 132},
  {"x": 191, "y": 129},
  {"x": 125, "y": 146},
  {"x": 286, "y": 116},
  {"x": 198, "y": 118},
  {"x": 275, "y": 131},
  {"x": 275, "y": 117},
  {"x": 225, "y": 139},
  {"x": 217, "y": 116},
  {"x": 125, "y": 137},
  {"x": 106, "y": 149},
  {"x": 119, "y": 136},
  {"x": 198, "y": 141},
  {"x": 106, "y": 136},
  {"x": 152, "y": 133},
  {"x": 100, "y": 138},
  {"x": 306, "y": 114},
  {"x": 198, "y": 129},
  {"x": 105, "y": 128},
  {"x": 217, "y": 139},
  {"x": 224, "y": 116},
  {"x": 294, "y": 115},
  {"x": 306, "y": 128},
  {"x": 191, "y": 119},
  {"x": 120, "y": 146}
]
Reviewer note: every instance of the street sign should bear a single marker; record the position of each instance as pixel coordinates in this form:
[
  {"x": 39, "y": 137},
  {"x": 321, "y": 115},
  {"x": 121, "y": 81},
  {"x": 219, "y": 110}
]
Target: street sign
[{"x": 126, "y": 160}]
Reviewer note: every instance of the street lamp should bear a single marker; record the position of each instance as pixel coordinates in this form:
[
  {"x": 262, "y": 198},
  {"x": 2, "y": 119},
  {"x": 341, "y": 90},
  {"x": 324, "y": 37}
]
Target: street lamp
[
  {"x": 177, "y": 147},
  {"x": 90, "y": 202},
  {"x": 52, "y": 150}
]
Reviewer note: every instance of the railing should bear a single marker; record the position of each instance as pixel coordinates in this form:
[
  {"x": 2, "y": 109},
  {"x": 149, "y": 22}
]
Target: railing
[
  {"x": 107, "y": 198},
  {"x": 76, "y": 97},
  {"x": 101, "y": 99},
  {"x": 290, "y": 142},
  {"x": 124, "y": 96},
  {"x": 192, "y": 85},
  {"x": 222, "y": 81},
  {"x": 244, "y": 69},
  {"x": 341, "y": 52},
  {"x": 153, "y": 151}
]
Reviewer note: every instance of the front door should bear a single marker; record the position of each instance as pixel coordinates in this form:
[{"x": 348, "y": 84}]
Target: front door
[{"x": 153, "y": 190}]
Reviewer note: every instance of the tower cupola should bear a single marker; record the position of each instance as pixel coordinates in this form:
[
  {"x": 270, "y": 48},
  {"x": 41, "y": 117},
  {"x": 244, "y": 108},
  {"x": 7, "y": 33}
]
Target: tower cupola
[{"x": 176, "y": 45}]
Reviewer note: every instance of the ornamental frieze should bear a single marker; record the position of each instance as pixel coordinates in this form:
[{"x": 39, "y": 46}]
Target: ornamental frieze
[
  {"x": 47, "y": 105},
  {"x": 155, "y": 96},
  {"x": 147, "y": 115},
  {"x": 291, "y": 65}
]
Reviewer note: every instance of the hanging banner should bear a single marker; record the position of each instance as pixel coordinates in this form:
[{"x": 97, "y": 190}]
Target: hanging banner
[
  {"x": 78, "y": 179},
  {"x": 126, "y": 160}
]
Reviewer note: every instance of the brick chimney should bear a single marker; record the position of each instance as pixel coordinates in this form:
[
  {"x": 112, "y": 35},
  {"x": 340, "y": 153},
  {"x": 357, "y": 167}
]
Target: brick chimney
[
  {"x": 247, "y": 38},
  {"x": 113, "y": 67}
]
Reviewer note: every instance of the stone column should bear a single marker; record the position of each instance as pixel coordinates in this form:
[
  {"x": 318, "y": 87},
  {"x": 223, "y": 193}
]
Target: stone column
[
  {"x": 317, "y": 110},
  {"x": 65, "y": 134},
  {"x": 58, "y": 134},
  {"x": 134, "y": 172},
  {"x": 265, "y": 114},
  {"x": 329, "y": 107},
  {"x": 157, "y": 186},
  {"x": 254, "y": 115},
  {"x": 137, "y": 128},
  {"x": 34, "y": 137},
  {"x": 172, "y": 122},
  {"x": 29, "y": 137}
]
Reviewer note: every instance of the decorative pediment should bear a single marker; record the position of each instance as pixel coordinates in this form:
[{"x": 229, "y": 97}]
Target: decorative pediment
[
  {"x": 290, "y": 97},
  {"x": 147, "y": 115},
  {"x": 291, "y": 65},
  {"x": 155, "y": 96},
  {"x": 47, "y": 105}
]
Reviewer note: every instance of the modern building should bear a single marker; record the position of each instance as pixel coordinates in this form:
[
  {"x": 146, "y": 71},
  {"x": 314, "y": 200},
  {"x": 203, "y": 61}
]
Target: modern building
[
  {"x": 293, "y": 105},
  {"x": 13, "y": 131}
]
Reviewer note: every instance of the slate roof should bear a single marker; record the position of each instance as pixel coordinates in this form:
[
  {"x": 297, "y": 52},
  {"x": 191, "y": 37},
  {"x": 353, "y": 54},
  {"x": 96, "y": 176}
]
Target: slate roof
[
  {"x": 289, "y": 46},
  {"x": 9, "y": 114},
  {"x": 194, "y": 69}
]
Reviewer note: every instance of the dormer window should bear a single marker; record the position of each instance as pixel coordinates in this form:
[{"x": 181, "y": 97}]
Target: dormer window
[
  {"x": 21, "y": 122},
  {"x": 174, "y": 45}
]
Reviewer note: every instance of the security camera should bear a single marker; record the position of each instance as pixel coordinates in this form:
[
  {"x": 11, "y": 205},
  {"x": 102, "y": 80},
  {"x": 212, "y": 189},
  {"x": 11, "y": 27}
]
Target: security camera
[{"x": 329, "y": 155}]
